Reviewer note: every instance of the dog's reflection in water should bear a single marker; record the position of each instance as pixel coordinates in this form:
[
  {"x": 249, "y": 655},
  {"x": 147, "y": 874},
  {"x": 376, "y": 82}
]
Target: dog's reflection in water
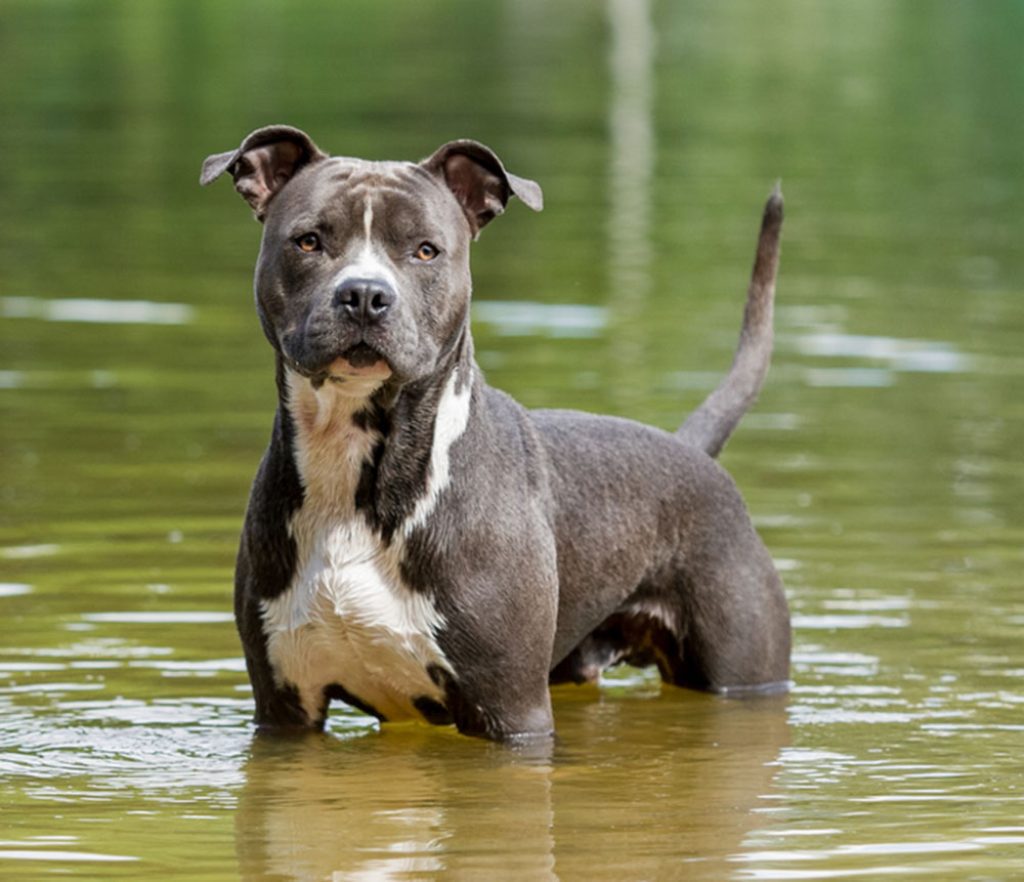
[{"x": 633, "y": 788}]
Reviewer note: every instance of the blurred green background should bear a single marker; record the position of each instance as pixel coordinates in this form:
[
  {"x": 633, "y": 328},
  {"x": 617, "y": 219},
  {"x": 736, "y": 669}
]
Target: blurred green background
[{"x": 883, "y": 463}]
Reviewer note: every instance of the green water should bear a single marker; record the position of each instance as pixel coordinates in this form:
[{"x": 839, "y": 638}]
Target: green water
[{"x": 883, "y": 463}]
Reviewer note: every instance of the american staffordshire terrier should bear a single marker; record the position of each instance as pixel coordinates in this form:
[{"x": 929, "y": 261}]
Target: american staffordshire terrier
[{"x": 419, "y": 545}]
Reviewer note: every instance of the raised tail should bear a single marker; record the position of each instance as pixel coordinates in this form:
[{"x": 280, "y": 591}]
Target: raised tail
[{"x": 711, "y": 424}]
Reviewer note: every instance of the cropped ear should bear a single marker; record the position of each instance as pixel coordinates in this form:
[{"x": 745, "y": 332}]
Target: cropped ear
[
  {"x": 266, "y": 160},
  {"x": 479, "y": 181}
]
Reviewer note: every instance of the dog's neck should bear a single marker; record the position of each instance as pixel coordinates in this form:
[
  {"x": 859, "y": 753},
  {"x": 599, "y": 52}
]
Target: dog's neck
[
  {"x": 332, "y": 437},
  {"x": 376, "y": 448}
]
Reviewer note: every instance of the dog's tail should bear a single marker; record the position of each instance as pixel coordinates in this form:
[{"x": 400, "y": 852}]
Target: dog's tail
[{"x": 711, "y": 424}]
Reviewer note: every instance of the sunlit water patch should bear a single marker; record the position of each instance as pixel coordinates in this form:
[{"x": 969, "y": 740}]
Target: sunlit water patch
[
  {"x": 82, "y": 309},
  {"x": 523, "y": 318},
  {"x": 900, "y": 355}
]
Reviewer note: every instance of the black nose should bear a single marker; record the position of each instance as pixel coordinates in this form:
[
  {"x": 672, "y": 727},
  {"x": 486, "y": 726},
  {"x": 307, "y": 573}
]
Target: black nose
[{"x": 366, "y": 300}]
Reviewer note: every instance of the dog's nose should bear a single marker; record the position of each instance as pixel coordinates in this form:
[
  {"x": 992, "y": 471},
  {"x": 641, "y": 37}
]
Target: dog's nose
[{"x": 366, "y": 300}]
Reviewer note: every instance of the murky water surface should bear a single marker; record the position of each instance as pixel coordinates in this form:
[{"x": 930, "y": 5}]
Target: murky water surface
[{"x": 883, "y": 463}]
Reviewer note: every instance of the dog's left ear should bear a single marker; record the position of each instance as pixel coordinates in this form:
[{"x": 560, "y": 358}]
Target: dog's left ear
[{"x": 479, "y": 181}]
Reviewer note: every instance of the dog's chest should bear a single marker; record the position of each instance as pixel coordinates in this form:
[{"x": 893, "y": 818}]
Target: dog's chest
[
  {"x": 348, "y": 621},
  {"x": 348, "y": 624}
]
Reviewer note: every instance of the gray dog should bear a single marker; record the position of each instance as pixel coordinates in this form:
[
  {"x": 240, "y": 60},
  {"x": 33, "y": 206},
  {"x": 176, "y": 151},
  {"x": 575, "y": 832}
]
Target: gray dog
[{"x": 418, "y": 544}]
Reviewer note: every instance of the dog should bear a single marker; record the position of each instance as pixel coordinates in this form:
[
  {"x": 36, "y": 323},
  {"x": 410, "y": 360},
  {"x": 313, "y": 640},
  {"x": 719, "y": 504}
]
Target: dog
[{"x": 419, "y": 545}]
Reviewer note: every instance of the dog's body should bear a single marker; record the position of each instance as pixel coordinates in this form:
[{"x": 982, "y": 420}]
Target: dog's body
[{"x": 417, "y": 543}]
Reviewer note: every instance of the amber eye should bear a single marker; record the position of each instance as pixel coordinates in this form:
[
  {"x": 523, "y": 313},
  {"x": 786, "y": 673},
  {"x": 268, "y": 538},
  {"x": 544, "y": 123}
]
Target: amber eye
[
  {"x": 308, "y": 242},
  {"x": 426, "y": 251}
]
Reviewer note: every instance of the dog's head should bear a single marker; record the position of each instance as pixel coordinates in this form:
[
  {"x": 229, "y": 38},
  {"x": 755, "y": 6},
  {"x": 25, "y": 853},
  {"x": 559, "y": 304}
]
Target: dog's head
[{"x": 364, "y": 266}]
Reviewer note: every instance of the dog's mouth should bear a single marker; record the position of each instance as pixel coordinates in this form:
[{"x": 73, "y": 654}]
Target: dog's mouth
[
  {"x": 357, "y": 363},
  {"x": 361, "y": 357},
  {"x": 360, "y": 365}
]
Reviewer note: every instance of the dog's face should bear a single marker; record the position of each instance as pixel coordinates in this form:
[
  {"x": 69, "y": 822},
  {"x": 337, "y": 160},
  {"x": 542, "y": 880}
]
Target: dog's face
[
  {"x": 363, "y": 269},
  {"x": 364, "y": 266}
]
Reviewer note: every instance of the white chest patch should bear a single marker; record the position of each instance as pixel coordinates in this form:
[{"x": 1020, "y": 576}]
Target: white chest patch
[{"x": 348, "y": 618}]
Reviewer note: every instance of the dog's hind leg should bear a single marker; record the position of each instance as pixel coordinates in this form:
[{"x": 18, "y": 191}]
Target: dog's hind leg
[
  {"x": 734, "y": 634},
  {"x": 714, "y": 619}
]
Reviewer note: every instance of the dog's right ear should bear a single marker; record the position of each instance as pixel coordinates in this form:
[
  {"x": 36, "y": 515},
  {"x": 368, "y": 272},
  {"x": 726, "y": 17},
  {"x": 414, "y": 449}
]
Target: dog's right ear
[{"x": 266, "y": 160}]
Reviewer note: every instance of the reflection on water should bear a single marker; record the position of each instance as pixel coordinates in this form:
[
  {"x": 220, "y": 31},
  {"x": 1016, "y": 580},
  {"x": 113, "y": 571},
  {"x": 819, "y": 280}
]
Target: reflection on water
[
  {"x": 386, "y": 807},
  {"x": 686, "y": 785},
  {"x": 459, "y": 808},
  {"x": 882, "y": 464},
  {"x": 531, "y": 319},
  {"x": 902, "y": 355},
  {"x": 77, "y": 309},
  {"x": 631, "y": 157}
]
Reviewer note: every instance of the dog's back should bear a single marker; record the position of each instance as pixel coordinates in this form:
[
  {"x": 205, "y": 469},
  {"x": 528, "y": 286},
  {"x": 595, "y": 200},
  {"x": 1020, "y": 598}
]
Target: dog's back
[{"x": 655, "y": 506}]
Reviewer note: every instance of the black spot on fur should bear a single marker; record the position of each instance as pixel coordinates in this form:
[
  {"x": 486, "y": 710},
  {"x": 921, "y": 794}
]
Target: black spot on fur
[
  {"x": 396, "y": 478},
  {"x": 438, "y": 676},
  {"x": 280, "y": 709},
  {"x": 372, "y": 418},
  {"x": 468, "y": 710},
  {"x": 366, "y": 491},
  {"x": 419, "y": 566},
  {"x": 337, "y": 691},
  {"x": 432, "y": 711}
]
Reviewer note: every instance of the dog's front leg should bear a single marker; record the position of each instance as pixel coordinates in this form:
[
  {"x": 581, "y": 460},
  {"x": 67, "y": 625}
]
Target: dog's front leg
[
  {"x": 498, "y": 638},
  {"x": 278, "y": 708},
  {"x": 264, "y": 569},
  {"x": 502, "y": 705}
]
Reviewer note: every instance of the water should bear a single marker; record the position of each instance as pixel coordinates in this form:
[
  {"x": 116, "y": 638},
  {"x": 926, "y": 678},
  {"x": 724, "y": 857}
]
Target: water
[{"x": 882, "y": 463}]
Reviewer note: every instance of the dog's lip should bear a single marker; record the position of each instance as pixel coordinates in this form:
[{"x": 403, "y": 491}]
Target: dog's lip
[
  {"x": 362, "y": 361},
  {"x": 361, "y": 355}
]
